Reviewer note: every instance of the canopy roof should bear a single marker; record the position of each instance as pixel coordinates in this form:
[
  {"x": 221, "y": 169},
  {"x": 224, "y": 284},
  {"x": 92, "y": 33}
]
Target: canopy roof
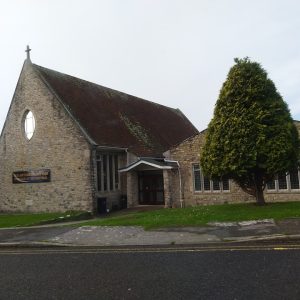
[{"x": 150, "y": 164}]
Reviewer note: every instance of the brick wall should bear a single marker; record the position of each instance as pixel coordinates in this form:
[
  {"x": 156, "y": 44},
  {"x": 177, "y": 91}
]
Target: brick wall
[{"x": 57, "y": 144}]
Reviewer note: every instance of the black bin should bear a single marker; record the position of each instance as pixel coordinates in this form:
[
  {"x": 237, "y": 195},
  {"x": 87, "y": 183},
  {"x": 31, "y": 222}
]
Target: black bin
[{"x": 101, "y": 206}]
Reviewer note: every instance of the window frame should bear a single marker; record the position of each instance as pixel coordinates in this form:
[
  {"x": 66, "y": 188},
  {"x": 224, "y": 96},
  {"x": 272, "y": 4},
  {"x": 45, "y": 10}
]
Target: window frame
[
  {"x": 288, "y": 183},
  {"x": 197, "y": 167},
  {"x": 275, "y": 185},
  {"x": 25, "y": 120},
  {"x": 108, "y": 165},
  {"x": 222, "y": 183}
]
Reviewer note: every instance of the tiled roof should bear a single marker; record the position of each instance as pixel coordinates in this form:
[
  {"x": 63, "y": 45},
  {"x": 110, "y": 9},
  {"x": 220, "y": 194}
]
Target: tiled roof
[{"x": 115, "y": 119}]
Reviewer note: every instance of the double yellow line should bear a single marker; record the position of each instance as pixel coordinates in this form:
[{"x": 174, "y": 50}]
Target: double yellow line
[{"x": 175, "y": 249}]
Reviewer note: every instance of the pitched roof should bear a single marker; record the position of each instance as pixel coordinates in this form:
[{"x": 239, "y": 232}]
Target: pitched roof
[
  {"x": 152, "y": 163},
  {"x": 115, "y": 119}
]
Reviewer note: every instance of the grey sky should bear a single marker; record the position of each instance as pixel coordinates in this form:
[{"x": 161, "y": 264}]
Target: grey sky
[{"x": 176, "y": 53}]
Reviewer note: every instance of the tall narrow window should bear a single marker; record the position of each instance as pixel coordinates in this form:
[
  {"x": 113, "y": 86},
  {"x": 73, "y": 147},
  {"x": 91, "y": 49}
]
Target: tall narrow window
[
  {"x": 197, "y": 178},
  {"x": 225, "y": 183},
  {"x": 216, "y": 185},
  {"x": 104, "y": 158},
  {"x": 206, "y": 183},
  {"x": 271, "y": 185},
  {"x": 29, "y": 124},
  {"x": 107, "y": 172},
  {"x": 294, "y": 179},
  {"x": 99, "y": 175},
  {"x": 116, "y": 172},
  {"x": 282, "y": 183},
  {"x": 111, "y": 174}
]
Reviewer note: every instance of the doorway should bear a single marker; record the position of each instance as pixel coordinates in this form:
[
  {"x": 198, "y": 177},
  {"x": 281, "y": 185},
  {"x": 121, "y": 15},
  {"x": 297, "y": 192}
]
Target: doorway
[{"x": 151, "y": 188}]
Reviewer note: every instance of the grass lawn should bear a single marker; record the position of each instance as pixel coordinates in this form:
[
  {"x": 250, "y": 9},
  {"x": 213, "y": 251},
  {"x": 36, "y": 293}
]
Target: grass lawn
[
  {"x": 201, "y": 215},
  {"x": 14, "y": 220}
]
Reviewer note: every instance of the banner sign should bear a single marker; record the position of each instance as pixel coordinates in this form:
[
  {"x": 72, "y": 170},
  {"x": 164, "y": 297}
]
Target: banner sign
[{"x": 32, "y": 176}]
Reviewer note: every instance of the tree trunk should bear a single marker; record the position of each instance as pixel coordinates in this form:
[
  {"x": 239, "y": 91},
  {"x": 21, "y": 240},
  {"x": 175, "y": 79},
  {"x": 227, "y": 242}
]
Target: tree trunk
[
  {"x": 259, "y": 193},
  {"x": 260, "y": 199}
]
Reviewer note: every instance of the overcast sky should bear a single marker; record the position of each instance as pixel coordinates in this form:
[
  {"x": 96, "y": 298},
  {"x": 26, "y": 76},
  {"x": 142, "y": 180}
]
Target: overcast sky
[{"x": 176, "y": 53}]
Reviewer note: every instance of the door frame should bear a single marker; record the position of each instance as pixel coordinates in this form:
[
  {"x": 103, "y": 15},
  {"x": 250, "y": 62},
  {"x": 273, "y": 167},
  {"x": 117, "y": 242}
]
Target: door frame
[{"x": 158, "y": 175}]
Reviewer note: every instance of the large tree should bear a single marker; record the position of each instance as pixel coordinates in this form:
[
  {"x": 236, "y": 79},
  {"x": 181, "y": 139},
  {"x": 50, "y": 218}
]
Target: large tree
[{"x": 252, "y": 136}]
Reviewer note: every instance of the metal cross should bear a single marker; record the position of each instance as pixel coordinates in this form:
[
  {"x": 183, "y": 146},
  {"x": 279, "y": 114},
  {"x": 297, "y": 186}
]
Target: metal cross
[{"x": 28, "y": 52}]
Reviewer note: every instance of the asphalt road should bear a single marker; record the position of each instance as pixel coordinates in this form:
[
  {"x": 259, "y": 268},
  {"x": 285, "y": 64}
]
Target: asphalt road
[{"x": 247, "y": 272}]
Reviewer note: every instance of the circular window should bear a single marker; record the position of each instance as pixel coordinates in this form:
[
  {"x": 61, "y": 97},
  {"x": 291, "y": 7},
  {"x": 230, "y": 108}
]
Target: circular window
[{"x": 29, "y": 124}]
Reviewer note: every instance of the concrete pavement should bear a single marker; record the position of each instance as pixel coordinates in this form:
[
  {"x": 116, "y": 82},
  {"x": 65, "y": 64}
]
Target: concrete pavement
[{"x": 136, "y": 236}]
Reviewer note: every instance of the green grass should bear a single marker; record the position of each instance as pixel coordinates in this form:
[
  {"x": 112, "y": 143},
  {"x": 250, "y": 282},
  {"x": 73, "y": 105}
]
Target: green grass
[
  {"x": 17, "y": 220},
  {"x": 201, "y": 215}
]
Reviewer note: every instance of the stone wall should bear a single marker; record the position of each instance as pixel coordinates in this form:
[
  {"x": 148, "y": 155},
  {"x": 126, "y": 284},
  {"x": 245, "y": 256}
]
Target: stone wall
[
  {"x": 132, "y": 189},
  {"x": 57, "y": 144},
  {"x": 187, "y": 154},
  {"x": 167, "y": 187}
]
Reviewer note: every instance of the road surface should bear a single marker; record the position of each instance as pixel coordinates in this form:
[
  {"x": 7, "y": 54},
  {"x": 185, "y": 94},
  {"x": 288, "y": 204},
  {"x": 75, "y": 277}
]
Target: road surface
[{"x": 207, "y": 272}]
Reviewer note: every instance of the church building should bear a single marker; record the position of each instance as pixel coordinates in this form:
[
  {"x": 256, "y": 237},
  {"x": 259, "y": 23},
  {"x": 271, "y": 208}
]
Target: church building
[{"x": 69, "y": 144}]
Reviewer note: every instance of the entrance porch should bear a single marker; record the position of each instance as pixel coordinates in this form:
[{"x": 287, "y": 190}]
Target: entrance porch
[
  {"x": 148, "y": 182},
  {"x": 150, "y": 187}
]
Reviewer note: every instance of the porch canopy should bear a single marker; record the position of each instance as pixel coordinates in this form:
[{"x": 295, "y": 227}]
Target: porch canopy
[
  {"x": 145, "y": 164},
  {"x": 148, "y": 181}
]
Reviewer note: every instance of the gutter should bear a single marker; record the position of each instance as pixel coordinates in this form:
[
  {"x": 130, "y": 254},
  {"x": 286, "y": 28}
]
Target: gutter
[{"x": 110, "y": 148}]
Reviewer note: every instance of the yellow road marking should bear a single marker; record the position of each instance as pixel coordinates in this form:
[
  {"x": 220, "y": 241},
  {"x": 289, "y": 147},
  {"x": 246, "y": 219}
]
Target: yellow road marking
[
  {"x": 281, "y": 248},
  {"x": 148, "y": 250}
]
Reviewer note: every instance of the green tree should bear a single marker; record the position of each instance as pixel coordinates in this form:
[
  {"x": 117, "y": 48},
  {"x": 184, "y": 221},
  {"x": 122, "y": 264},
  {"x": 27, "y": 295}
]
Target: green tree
[{"x": 251, "y": 136}]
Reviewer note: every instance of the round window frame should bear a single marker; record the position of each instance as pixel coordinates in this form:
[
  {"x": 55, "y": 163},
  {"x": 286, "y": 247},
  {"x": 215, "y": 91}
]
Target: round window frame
[{"x": 26, "y": 112}]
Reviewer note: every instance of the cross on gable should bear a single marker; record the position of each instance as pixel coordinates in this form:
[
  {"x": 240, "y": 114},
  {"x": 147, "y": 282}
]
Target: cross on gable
[{"x": 28, "y": 52}]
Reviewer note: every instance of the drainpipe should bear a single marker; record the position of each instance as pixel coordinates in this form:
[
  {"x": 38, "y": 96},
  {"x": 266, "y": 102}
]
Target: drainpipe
[
  {"x": 93, "y": 164},
  {"x": 180, "y": 186},
  {"x": 180, "y": 182}
]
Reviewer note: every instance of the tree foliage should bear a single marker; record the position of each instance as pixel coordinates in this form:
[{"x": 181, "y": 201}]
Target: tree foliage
[{"x": 252, "y": 136}]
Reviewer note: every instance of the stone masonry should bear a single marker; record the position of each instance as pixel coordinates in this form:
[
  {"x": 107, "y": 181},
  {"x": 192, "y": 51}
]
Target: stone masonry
[
  {"x": 57, "y": 144},
  {"x": 132, "y": 189},
  {"x": 60, "y": 145},
  {"x": 188, "y": 153},
  {"x": 167, "y": 188}
]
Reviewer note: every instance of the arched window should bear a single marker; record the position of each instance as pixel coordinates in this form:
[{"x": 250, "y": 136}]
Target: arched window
[{"x": 29, "y": 124}]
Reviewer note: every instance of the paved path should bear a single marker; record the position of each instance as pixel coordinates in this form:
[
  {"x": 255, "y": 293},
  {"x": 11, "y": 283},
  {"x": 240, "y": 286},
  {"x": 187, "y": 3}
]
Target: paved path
[{"x": 134, "y": 235}]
